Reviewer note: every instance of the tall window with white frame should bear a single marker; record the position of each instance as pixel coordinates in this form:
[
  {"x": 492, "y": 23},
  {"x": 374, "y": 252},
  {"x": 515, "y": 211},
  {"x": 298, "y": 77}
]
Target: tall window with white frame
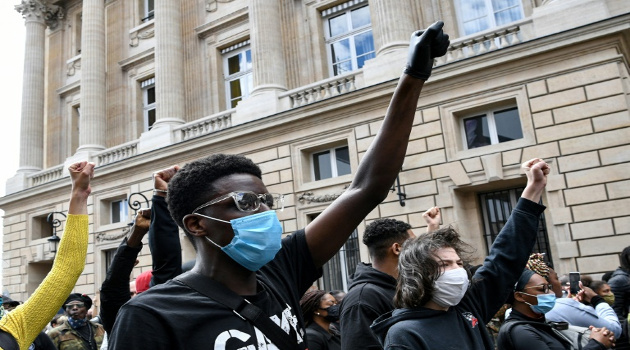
[
  {"x": 491, "y": 127},
  {"x": 329, "y": 163},
  {"x": 348, "y": 36},
  {"x": 237, "y": 69},
  {"x": 148, "y": 102},
  {"x": 479, "y": 15},
  {"x": 148, "y": 10}
]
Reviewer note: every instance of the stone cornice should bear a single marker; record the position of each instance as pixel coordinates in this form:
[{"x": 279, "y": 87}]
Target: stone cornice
[
  {"x": 135, "y": 60},
  {"x": 234, "y": 18}
]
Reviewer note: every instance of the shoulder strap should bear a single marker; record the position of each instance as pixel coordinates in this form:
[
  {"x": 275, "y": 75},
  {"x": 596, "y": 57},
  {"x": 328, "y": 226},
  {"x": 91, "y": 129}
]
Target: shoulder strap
[
  {"x": 509, "y": 324},
  {"x": 241, "y": 307}
]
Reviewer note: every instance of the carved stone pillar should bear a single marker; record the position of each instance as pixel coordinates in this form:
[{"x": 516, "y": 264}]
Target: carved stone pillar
[
  {"x": 92, "y": 122},
  {"x": 169, "y": 61},
  {"x": 392, "y": 25},
  {"x": 37, "y": 14},
  {"x": 267, "y": 51}
]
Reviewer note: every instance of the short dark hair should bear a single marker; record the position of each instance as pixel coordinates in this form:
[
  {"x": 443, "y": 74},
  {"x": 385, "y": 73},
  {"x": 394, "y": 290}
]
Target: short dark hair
[
  {"x": 192, "y": 185},
  {"x": 418, "y": 266},
  {"x": 597, "y": 285},
  {"x": 310, "y": 303},
  {"x": 380, "y": 234}
]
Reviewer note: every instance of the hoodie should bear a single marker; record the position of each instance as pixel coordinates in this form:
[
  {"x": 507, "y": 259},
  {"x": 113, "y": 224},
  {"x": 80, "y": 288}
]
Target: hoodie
[
  {"x": 370, "y": 295},
  {"x": 463, "y": 326}
]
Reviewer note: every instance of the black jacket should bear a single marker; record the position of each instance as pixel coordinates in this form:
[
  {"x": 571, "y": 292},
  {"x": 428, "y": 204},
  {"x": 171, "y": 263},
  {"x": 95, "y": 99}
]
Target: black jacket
[
  {"x": 167, "y": 262},
  {"x": 370, "y": 295},
  {"x": 619, "y": 283},
  {"x": 535, "y": 335}
]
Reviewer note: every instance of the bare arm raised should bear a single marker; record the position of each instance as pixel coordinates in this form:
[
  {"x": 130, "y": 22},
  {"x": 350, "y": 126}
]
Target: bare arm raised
[{"x": 383, "y": 160}]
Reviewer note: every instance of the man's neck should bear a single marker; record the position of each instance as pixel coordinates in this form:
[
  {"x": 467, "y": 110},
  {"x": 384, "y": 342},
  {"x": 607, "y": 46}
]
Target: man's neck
[
  {"x": 227, "y": 272},
  {"x": 388, "y": 266}
]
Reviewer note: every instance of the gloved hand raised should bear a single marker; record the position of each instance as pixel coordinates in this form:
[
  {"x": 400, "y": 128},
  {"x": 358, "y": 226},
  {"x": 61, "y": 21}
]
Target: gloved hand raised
[{"x": 424, "y": 46}]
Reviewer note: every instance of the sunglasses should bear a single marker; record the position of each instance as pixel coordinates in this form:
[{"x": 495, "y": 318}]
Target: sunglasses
[
  {"x": 249, "y": 201},
  {"x": 545, "y": 287},
  {"x": 79, "y": 305}
]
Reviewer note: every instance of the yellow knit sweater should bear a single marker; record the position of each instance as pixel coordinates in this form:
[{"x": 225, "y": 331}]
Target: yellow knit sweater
[{"x": 29, "y": 319}]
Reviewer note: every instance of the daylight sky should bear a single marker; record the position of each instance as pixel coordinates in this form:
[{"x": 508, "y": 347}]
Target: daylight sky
[{"x": 12, "y": 46}]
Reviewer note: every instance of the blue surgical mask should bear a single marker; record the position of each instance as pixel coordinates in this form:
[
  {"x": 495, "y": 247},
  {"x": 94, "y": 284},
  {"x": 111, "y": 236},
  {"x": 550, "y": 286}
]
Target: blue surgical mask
[
  {"x": 257, "y": 239},
  {"x": 546, "y": 302}
]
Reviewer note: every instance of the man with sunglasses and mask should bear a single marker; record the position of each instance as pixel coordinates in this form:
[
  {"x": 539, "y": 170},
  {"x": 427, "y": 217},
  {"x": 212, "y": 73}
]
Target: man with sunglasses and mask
[{"x": 226, "y": 210}]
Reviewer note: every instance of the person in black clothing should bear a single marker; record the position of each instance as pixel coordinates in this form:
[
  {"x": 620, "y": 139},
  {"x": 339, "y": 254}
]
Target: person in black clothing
[
  {"x": 436, "y": 309},
  {"x": 320, "y": 309},
  {"x": 164, "y": 244},
  {"x": 533, "y": 297},
  {"x": 224, "y": 207},
  {"x": 620, "y": 286},
  {"x": 115, "y": 287},
  {"x": 373, "y": 286}
]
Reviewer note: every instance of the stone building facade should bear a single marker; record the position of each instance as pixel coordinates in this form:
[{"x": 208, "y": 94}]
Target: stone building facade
[{"x": 301, "y": 88}]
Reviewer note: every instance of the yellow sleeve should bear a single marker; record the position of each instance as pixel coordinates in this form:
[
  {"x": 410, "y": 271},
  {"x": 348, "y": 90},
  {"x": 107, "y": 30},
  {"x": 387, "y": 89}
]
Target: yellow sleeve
[{"x": 29, "y": 319}]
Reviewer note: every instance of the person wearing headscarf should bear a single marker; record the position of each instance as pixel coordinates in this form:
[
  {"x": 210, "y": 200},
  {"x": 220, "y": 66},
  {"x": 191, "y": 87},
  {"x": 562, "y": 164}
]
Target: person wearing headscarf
[
  {"x": 533, "y": 297},
  {"x": 77, "y": 332}
]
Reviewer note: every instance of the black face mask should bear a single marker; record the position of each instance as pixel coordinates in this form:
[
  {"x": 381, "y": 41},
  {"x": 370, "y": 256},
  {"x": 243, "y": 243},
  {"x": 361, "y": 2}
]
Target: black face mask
[{"x": 333, "y": 313}]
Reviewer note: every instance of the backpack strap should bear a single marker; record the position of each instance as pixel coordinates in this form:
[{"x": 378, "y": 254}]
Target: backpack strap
[{"x": 240, "y": 306}]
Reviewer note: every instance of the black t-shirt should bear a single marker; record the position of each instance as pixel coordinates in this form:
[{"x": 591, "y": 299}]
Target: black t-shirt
[{"x": 173, "y": 316}]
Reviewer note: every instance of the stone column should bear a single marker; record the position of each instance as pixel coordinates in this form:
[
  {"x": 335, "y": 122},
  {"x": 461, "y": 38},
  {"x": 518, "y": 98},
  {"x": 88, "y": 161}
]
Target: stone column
[
  {"x": 169, "y": 63},
  {"x": 266, "y": 43},
  {"x": 37, "y": 14},
  {"x": 392, "y": 25},
  {"x": 268, "y": 70},
  {"x": 92, "y": 122}
]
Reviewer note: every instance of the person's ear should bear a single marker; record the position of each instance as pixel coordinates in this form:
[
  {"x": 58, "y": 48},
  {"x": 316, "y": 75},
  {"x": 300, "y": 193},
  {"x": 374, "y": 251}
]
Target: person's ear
[
  {"x": 396, "y": 248},
  {"x": 195, "y": 225},
  {"x": 519, "y": 297}
]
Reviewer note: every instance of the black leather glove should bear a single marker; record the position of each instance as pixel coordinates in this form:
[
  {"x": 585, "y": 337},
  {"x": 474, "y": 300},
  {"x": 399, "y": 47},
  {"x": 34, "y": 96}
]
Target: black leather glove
[{"x": 425, "y": 45}]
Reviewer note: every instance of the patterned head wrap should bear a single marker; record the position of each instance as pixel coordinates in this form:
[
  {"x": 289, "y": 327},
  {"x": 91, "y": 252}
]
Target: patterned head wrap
[{"x": 537, "y": 264}]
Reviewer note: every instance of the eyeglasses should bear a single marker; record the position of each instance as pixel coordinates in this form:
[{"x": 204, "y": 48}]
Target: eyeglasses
[
  {"x": 545, "y": 287},
  {"x": 79, "y": 305},
  {"x": 249, "y": 201}
]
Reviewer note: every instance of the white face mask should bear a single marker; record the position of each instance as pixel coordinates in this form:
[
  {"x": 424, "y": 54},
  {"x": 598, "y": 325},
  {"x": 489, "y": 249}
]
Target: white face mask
[{"x": 450, "y": 287}]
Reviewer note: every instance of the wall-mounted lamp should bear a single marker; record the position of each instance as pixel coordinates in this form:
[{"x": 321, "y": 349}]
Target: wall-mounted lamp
[
  {"x": 401, "y": 195},
  {"x": 140, "y": 202},
  {"x": 53, "y": 241}
]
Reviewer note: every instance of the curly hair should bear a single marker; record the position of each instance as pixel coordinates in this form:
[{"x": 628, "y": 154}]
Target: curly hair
[
  {"x": 380, "y": 234},
  {"x": 310, "y": 303},
  {"x": 192, "y": 185},
  {"x": 419, "y": 266}
]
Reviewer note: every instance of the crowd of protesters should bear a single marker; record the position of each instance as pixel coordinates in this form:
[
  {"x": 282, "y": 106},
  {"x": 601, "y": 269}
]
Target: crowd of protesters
[{"x": 250, "y": 288}]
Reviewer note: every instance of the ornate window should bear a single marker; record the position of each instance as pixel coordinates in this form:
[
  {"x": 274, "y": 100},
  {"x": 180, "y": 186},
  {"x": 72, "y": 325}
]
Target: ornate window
[
  {"x": 478, "y": 15},
  {"x": 148, "y": 102},
  {"x": 349, "y": 40},
  {"x": 148, "y": 10},
  {"x": 491, "y": 127},
  {"x": 329, "y": 163},
  {"x": 497, "y": 206},
  {"x": 237, "y": 69}
]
